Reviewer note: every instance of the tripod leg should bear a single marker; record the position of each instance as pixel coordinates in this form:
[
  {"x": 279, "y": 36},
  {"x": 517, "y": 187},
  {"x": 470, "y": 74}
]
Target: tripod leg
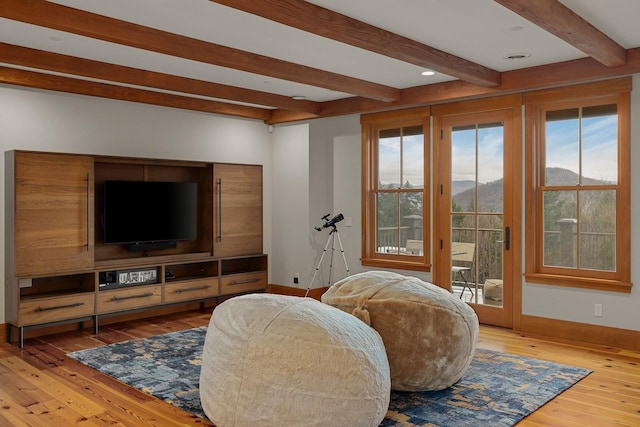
[
  {"x": 315, "y": 273},
  {"x": 333, "y": 248},
  {"x": 344, "y": 258}
]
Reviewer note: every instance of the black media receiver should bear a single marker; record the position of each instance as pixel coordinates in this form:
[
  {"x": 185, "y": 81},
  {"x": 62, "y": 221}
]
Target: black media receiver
[{"x": 127, "y": 278}]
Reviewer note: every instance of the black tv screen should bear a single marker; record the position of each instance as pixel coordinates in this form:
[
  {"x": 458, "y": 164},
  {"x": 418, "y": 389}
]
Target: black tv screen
[{"x": 141, "y": 212}]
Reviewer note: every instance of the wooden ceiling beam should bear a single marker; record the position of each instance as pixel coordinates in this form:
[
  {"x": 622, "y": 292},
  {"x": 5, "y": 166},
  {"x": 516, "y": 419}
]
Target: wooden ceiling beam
[
  {"x": 63, "y": 18},
  {"x": 540, "y": 77},
  {"x": 38, "y": 80},
  {"x": 287, "y": 116},
  {"x": 327, "y": 23},
  {"x": 38, "y": 59},
  {"x": 544, "y": 76},
  {"x": 562, "y": 22}
]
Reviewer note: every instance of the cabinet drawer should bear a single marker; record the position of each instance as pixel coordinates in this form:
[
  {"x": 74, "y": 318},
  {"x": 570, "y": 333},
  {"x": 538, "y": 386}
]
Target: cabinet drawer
[
  {"x": 188, "y": 290},
  {"x": 238, "y": 283},
  {"x": 127, "y": 299},
  {"x": 53, "y": 309}
]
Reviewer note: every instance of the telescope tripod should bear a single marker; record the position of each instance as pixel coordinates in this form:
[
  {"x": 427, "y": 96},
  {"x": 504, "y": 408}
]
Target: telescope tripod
[{"x": 331, "y": 239}]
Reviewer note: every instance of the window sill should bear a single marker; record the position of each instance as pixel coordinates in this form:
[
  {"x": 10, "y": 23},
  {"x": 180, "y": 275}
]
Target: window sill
[
  {"x": 396, "y": 264},
  {"x": 579, "y": 282}
]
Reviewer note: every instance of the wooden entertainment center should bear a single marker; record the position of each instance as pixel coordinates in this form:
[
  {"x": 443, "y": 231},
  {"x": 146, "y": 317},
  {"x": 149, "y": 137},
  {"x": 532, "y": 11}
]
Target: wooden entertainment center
[{"x": 59, "y": 270}]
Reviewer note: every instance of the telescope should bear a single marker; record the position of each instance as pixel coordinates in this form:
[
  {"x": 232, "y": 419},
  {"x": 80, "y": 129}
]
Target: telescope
[{"x": 330, "y": 222}]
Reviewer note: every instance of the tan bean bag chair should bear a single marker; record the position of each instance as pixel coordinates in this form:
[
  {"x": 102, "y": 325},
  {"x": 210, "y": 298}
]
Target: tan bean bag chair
[
  {"x": 429, "y": 335},
  {"x": 274, "y": 360}
]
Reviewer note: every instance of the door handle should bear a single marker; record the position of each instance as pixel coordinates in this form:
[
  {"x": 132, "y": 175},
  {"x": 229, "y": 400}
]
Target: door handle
[{"x": 507, "y": 238}]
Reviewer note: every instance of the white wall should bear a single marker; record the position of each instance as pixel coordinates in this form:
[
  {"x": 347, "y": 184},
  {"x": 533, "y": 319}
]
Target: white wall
[
  {"x": 49, "y": 121},
  {"x": 305, "y": 175},
  {"x": 334, "y": 178},
  {"x": 290, "y": 253}
]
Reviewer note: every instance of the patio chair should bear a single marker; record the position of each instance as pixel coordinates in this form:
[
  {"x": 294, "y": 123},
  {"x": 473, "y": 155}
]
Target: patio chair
[{"x": 463, "y": 254}]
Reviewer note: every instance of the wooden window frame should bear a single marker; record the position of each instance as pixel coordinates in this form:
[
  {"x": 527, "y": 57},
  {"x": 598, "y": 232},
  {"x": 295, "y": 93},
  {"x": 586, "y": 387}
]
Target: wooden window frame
[
  {"x": 536, "y": 104},
  {"x": 371, "y": 124}
]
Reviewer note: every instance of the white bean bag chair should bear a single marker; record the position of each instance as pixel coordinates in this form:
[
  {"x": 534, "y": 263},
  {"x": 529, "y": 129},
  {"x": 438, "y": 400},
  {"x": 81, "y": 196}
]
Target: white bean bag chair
[
  {"x": 275, "y": 360},
  {"x": 429, "y": 335}
]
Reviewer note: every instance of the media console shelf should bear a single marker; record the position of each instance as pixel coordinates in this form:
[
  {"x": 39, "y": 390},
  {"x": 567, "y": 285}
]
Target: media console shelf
[{"x": 59, "y": 270}]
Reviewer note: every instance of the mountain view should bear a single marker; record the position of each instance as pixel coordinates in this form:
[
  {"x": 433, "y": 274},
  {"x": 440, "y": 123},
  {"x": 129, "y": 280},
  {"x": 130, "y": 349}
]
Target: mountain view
[
  {"x": 460, "y": 186},
  {"x": 490, "y": 194}
]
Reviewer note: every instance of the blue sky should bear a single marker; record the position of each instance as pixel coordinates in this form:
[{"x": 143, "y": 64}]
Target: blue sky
[
  {"x": 599, "y": 142},
  {"x": 413, "y": 160},
  {"x": 599, "y": 154}
]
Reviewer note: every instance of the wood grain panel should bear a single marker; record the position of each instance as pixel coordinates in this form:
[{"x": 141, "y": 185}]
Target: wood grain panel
[
  {"x": 188, "y": 290},
  {"x": 237, "y": 210},
  {"x": 239, "y": 283},
  {"x": 581, "y": 332},
  {"x": 127, "y": 299},
  {"x": 54, "y": 213},
  {"x": 52, "y": 309}
]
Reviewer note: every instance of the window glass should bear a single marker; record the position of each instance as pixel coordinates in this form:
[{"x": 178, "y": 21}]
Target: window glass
[
  {"x": 389, "y": 158},
  {"x": 562, "y": 147},
  {"x": 413, "y": 157},
  {"x": 490, "y": 166},
  {"x": 599, "y": 145},
  {"x": 387, "y": 230},
  {"x": 597, "y": 229},
  {"x": 560, "y": 220}
]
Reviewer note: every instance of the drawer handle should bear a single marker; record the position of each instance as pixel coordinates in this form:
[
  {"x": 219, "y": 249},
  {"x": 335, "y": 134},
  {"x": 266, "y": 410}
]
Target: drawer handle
[
  {"x": 195, "y": 288},
  {"x": 219, "y": 237},
  {"x": 145, "y": 295},
  {"x": 88, "y": 210},
  {"x": 57, "y": 307},
  {"x": 241, "y": 282}
]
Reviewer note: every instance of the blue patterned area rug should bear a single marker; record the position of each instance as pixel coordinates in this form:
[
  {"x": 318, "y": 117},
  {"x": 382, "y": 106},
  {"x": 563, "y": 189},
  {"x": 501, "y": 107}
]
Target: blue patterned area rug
[{"x": 498, "y": 389}]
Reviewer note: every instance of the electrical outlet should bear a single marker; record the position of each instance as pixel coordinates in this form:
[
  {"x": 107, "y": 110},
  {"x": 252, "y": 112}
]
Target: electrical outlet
[
  {"x": 598, "y": 310},
  {"x": 296, "y": 278}
]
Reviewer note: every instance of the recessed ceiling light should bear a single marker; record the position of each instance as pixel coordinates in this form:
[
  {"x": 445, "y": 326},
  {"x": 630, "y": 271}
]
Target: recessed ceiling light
[
  {"x": 428, "y": 73},
  {"x": 55, "y": 38},
  {"x": 517, "y": 28},
  {"x": 299, "y": 97},
  {"x": 517, "y": 56}
]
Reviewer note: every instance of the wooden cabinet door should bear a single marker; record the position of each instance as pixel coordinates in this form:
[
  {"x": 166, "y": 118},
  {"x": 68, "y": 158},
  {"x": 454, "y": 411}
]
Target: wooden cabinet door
[
  {"x": 237, "y": 210},
  {"x": 53, "y": 213}
]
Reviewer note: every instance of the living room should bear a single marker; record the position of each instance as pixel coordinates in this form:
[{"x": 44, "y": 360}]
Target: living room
[{"x": 310, "y": 168}]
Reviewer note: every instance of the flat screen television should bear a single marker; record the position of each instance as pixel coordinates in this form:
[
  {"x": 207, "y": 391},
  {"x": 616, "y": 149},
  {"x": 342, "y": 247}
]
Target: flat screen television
[{"x": 148, "y": 215}]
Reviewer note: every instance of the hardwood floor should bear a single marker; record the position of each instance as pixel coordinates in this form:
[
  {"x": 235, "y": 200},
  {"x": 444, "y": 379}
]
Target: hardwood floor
[{"x": 40, "y": 386}]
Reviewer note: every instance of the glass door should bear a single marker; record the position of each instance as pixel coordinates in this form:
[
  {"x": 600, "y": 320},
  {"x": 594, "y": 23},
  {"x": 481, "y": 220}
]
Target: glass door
[
  {"x": 475, "y": 216},
  {"x": 477, "y": 211}
]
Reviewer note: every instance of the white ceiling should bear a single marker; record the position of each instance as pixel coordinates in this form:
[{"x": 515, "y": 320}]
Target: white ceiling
[{"x": 481, "y": 31}]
